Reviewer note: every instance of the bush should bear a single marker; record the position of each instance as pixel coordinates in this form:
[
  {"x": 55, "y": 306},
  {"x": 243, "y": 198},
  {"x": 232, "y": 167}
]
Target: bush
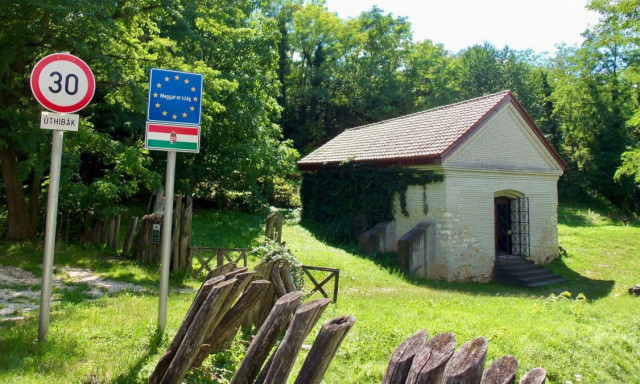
[{"x": 272, "y": 250}]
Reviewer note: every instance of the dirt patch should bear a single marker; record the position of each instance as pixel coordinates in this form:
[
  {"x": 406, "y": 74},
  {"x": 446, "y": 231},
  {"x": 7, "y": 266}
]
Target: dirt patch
[{"x": 20, "y": 289}]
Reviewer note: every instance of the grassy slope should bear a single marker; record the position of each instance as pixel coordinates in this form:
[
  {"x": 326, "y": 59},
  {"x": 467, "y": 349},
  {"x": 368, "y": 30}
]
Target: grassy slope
[{"x": 114, "y": 338}]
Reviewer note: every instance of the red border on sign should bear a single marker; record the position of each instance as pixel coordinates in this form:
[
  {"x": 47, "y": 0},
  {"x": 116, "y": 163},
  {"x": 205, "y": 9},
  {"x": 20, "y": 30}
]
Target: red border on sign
[{"x": 35, "y": 88}]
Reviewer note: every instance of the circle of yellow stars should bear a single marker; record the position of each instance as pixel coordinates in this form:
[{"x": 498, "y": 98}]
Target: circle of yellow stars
[{"x": 174, "y": 116}]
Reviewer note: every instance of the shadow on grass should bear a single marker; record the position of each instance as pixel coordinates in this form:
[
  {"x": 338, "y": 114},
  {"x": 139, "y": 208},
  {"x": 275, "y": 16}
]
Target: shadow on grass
[
  {"x": 592, "y": 289},
  {"x": 131, "y": 376}
]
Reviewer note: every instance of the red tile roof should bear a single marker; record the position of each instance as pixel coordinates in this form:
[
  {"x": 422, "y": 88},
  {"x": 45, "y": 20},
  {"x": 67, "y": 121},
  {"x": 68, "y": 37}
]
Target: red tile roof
[{"x": 419, "y": 138}]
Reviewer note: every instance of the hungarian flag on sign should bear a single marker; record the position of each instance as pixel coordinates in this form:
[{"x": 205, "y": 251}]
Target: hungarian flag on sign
[{"x": 173, "y": 138}]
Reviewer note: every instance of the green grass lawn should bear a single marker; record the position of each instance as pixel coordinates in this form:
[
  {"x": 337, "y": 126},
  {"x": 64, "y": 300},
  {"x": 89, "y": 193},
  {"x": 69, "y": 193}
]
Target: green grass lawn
[{"x": 113, "y": 339}]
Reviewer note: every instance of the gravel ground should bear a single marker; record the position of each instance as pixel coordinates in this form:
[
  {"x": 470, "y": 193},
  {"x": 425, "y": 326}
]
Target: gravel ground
[{"x": 20, "y": 290}]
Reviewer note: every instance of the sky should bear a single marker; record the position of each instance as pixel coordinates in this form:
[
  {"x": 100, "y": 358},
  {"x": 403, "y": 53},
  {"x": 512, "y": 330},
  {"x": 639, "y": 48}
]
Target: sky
[{"x": 521, "y": 24}]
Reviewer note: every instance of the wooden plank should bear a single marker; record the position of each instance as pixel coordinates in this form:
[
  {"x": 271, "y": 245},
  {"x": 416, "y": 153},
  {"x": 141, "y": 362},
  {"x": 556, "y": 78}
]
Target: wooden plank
[
  {"x": 175, "y": 233},
  {"x": 275, "y": 278},
  {"x": 185, "y": 234},
  {"x": 133, "y": 224},
  {"x": 270, "y": 226},
  {"x": 169, "y": 354},
  {"x": 324, "y": 349},
  {"x": 242, "y": 280},
  {"x": 279, "y": 366},
  {"x": 226, "y": 330},
  {"x": 316, "y": 286},
  {"x": 402, "y": 358},
  {"x": 429, "y": 364},
  {"x": 222, "y": 270},
  {"x": 287, "y": 279},
  {"x": 467, "y": 364},
  {"x": 501, "y": 371},
  {"x": 116, "y": 234},
  {"x": 265, "y": 339},
  {"x": 534, "y": 376},
  {"x": 192, "y": 340}
]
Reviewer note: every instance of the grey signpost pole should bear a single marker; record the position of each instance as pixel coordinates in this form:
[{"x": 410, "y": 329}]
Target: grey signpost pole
[
  {"x": 50, "y": 234},
  {"x": 173, "y": 124},
  {"x": 166, "y": 240},
  {"x": 47, "y": 87}
]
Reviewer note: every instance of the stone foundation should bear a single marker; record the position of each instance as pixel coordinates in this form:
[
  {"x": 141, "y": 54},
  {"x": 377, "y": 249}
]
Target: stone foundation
[{"x": 459, "y": 254}]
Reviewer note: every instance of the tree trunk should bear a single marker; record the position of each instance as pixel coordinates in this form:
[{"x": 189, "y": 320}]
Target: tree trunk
[{"x": 20, "y": 225}]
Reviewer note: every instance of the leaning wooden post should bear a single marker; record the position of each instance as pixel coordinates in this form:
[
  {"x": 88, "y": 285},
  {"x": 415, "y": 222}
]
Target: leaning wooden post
[
  {"x": 429, "y": 364},
  {"x": 278, "y": 227},
  {"x": 279, "y": 366},
  {"x": 224, "y": 333},
  {"x": 193, "y": 338},
  {"x": 169, "y": 354},
  {"x": 286, "y": 277},
  {"x": 277, "y": 280},
  {"x": 270, "y": 226},
  {"x": 126, "y": 249},
  {"x": 324, "y": 349},
  {"x": 402, "y": 358},
  {"x": 501, "y": 371},
  {"x": 535, "y": 376},
  {"x": 266, "y": 338},
  {"x": 467, "y": 364}
]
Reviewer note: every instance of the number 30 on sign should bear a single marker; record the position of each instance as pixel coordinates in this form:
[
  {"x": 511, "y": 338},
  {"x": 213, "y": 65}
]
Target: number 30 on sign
[{"x": 62, "y": 83}]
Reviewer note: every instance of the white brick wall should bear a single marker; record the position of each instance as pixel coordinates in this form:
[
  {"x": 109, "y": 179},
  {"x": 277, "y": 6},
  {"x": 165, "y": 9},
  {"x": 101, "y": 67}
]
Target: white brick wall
[{"x": 503, "y": 155}]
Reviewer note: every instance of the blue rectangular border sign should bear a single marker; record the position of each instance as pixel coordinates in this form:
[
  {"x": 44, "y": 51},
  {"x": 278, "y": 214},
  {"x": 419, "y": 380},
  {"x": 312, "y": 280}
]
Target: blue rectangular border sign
[{"x": 175, "y": 97}]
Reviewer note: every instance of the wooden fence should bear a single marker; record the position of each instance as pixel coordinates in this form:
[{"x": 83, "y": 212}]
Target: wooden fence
[
  {"x": 146, "y": 245},
  {"x": 205, "y": 255},
  {"x": 317, "y": 286},
  {"x": 434, "y": 361},
  {"x": 230, "y": 294}
]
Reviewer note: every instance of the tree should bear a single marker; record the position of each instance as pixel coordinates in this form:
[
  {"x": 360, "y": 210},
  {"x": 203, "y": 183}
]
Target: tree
[
  {"x": 429, "y": 76},
  {"x": 104, "y": 163}
]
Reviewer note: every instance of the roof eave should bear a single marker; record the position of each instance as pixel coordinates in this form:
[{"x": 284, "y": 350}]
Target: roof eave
[{"x": 381, "y": 163}]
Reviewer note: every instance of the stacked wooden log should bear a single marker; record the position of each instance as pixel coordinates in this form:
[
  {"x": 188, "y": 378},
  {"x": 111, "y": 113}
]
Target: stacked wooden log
[
  {"x": 278, "y": 273},
  {"x": 146, "y": 246},
  {"x": 222, "y": 303},
  {"x": 635, "y": 290},
  {"x": 422, "y": 360}
]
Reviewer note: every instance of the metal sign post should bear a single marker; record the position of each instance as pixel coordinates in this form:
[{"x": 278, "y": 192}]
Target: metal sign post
[
  {"x": 174, "y": 115},
  {"x": 165, "y": 254},
  {"x": 50, "y": 233},
  {"x": 61, "y": 83}
]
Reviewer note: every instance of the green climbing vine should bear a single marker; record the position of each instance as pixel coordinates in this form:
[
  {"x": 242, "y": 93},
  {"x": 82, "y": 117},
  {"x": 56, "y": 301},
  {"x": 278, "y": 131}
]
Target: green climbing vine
[{"x": 352, "y": 197}]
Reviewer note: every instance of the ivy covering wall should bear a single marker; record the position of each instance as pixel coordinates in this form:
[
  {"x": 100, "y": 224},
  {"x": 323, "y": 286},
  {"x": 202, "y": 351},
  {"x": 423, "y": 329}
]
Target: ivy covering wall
[{"x": 348, "y": 199}]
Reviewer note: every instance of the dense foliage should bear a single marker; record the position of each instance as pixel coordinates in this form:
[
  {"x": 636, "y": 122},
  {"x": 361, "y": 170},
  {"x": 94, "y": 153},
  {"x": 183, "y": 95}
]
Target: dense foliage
[
  {"x": 353, "y": 197},
  {"x": 105, "y": 162},
  {"x": 283, "y": 77}
]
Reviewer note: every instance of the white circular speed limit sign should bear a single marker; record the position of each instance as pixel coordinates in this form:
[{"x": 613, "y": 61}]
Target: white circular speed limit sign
[{"x": 62, "y": 83}]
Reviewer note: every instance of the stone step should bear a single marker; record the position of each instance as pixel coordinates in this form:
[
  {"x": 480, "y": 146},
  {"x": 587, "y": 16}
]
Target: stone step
[
  {"x": 524, "y": 273},
  {"x": 554, "y": 280},
  {"x": 531, "y": 272},
  {"x": 519, "y": 268},
  {"x": 536, "y": 278}
]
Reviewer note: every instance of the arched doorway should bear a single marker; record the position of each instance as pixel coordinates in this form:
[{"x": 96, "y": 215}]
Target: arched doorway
[{"x": 511, "y": 224}]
